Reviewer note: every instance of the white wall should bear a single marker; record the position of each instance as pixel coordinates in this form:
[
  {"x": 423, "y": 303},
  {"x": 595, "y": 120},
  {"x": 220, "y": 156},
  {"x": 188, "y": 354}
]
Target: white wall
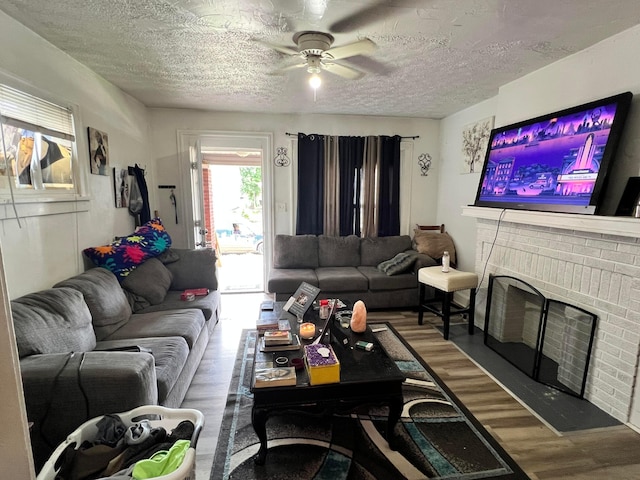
[
  {"x": 15, "y": 445},
  {"x": 166, "y": 122},
  {"x": 605, "y": 69},
  {"x": 48, "y": 248},
  {"x": 457, "y": 189}
]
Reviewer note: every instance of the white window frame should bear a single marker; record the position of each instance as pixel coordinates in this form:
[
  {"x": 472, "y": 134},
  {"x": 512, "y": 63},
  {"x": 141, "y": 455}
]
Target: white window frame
[{"x": 28, "y": 202}]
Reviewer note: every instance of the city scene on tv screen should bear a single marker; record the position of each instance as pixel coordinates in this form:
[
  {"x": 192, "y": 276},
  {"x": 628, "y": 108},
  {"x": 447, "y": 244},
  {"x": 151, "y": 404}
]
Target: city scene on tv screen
[{"x": 555, "y": 161}]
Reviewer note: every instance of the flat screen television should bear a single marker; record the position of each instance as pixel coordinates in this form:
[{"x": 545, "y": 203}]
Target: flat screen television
[{"x": 556, "y": 162}]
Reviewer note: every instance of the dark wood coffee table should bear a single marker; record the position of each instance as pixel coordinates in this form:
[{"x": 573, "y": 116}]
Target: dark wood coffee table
[{"x": 366, "y": 378}]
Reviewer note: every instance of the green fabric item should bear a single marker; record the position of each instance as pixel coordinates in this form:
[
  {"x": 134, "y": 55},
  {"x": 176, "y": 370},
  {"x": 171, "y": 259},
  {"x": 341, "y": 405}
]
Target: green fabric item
[
  {"x": 400, "y": 263},
  {"x": 163, "y": 462}
]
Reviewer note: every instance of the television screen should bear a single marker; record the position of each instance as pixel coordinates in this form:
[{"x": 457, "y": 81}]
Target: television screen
[{"x": 556, "y": 162}]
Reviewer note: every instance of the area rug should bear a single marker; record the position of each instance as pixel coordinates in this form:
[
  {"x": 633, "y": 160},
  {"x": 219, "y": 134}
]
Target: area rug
[{"x": 438, "y": 436}]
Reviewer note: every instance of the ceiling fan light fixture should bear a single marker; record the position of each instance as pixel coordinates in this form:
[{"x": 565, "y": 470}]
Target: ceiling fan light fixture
[{"x": 315, "y": 81}]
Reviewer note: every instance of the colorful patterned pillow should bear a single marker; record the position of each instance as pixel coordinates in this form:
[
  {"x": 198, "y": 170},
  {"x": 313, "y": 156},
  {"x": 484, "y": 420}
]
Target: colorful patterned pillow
[{"x": 126, "y": 253}]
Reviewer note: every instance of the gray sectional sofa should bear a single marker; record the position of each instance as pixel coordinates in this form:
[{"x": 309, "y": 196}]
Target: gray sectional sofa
[
  {"x": 350, "y": 268},
  {"x": 70, "y": 340}
]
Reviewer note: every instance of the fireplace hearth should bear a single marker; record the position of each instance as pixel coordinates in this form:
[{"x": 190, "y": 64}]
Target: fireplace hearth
[{"x": 547, "y": 339}]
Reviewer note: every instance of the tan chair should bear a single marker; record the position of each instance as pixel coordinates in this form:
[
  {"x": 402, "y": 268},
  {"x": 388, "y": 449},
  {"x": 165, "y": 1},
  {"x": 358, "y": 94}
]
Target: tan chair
[{"x": 439, "y": 228}]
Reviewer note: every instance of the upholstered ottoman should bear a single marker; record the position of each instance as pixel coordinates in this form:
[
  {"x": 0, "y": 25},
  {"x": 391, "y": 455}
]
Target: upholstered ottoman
[{"x": 447, "y": 283}]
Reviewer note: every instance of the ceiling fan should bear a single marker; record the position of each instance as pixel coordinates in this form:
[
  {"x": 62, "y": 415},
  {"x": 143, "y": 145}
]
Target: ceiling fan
[{"x": 315, "y": 50}]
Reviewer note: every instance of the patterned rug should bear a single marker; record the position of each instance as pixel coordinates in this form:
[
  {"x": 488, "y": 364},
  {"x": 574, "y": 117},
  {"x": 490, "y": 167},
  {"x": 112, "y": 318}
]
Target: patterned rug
[{"x": 439, "y": 438}]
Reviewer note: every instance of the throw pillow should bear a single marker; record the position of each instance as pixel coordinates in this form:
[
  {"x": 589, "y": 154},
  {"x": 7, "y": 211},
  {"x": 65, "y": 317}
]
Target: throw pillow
[
  {"x": 168, "y": 256},
  {"x": 434, "y": 244},
  {"x": 124, "y": 254},
  {"x": 400, "y": 263},
  {"x": 151, "y": 281}
]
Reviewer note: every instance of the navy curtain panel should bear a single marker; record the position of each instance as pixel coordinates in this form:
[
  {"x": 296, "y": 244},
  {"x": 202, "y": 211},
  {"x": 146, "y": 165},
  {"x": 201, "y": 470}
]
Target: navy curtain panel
[
  {"x": 350, "y": 153},
  {"x": 389, "y": 196},
  {"x": 309, "y": 219}
]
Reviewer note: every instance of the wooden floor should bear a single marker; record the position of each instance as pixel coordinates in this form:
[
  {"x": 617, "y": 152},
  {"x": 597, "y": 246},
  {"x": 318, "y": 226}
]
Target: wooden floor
[{"x": 611, "y": 453}]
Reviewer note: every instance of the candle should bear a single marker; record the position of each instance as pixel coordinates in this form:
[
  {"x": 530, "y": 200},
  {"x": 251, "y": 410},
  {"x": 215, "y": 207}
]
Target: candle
[{"x": 307, "y": 330}]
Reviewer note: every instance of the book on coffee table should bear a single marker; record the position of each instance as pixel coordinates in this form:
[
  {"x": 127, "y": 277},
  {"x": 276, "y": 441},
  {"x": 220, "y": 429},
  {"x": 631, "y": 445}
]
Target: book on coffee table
[
  {"x": 302, "y": 300},
  {"x": 268, "y": 320},
  {"x": 294, "y": 345},
  {"x": 277, "y": 337},
  {"x": 275, "y": 377}
]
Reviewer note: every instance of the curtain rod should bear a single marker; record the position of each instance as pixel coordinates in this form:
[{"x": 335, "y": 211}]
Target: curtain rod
[{"x": 405, "y": 138}]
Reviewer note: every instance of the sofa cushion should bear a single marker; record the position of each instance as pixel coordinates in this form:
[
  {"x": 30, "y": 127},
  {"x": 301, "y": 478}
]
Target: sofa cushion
[
  {"x": 151, "y": 281},
  {"x": 374, "y": 250},
  {"x": 111, "y": 382},
  {"x": 124, "y": 254},
  {"x": 401, "y": 263},
  {"x": 341, "y": 279},
  {"x": 287, "y": 280},
  {"x": 187, "y": 323},
  {"x": 169, "y": 353},
  {"x": 434, "y": 244},
  {"x": 379, "y": 281},
  {"x": 104, "y": 297},
  {"x": 52, "y": 321},
  {"x": 338, "y": 251},
  {"x": 195, "y": 269},
  {"x": 295, "y": 251}
]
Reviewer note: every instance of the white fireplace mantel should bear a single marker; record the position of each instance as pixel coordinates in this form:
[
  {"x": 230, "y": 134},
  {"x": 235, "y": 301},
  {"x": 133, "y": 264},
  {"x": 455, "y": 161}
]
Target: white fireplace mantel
[{"x": 622, "y": 226}]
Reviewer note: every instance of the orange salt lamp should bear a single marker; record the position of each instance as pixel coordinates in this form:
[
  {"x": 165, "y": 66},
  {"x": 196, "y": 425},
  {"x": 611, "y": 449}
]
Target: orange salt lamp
[{"x": 359, "y": 317}]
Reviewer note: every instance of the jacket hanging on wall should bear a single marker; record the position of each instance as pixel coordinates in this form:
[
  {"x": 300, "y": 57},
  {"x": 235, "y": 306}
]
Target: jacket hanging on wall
[{"x": 139, "y": 197}]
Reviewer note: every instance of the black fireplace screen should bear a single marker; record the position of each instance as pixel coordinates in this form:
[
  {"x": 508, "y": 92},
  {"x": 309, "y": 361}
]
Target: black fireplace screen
[{"x": 547, "y": 339}]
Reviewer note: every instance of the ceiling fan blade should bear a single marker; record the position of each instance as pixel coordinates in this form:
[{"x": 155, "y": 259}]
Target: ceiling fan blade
[
  {"x": 280, "y": 48},
  {"x": 342, "y": 70},
  {"x": 370, "y": 65},
  {"x": 360, "y": 47},
  {"x": 361, "y": 18},
  {"x": 282, "y": 70}
]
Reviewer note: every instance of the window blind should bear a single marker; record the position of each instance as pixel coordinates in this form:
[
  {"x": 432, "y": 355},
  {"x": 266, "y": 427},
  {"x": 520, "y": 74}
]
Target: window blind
[{"x": 23, "y": 110}]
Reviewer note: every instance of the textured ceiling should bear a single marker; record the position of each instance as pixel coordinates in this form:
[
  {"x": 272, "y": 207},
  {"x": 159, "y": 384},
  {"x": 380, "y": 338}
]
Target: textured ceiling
[{"x": 433, "y": 57}]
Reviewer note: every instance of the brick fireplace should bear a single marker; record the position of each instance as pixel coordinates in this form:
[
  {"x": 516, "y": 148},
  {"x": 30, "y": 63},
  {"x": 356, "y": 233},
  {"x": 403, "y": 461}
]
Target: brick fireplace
[{"x": 573, "y": 258}]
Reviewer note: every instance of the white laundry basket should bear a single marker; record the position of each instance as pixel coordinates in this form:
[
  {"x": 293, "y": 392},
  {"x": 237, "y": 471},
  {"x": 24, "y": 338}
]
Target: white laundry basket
[{"x": 168, "y": 418}]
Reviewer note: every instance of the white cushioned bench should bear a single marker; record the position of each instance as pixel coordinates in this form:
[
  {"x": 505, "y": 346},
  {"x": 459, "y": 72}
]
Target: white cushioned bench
[{"x": 447, "y": 283}]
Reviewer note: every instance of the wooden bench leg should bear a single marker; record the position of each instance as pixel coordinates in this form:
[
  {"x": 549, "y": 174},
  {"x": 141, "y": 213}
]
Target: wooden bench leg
[
  {"x": 472, "y": 311},
  {"x": 421, "y": 303},
  {"x": 446, "y": 312}
]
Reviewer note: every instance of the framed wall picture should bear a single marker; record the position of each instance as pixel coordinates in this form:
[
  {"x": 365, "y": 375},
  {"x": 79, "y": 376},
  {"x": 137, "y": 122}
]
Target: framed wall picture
[
  {"x": 98, "y": 151},
  {"x": 121, "y": 187},
  {"x": 474, "y": 145}
]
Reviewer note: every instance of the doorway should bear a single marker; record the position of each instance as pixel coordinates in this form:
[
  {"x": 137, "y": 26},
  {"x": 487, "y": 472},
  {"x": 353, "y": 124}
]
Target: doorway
[
  {"x": 233, "y": 216},
  {"x": 236, "y": 150}
]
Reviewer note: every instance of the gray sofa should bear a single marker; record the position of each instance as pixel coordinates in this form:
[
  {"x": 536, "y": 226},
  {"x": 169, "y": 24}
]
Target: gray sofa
[
  {"x": 349, "y": 268},
  {"x": 69, "y": 339}
]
